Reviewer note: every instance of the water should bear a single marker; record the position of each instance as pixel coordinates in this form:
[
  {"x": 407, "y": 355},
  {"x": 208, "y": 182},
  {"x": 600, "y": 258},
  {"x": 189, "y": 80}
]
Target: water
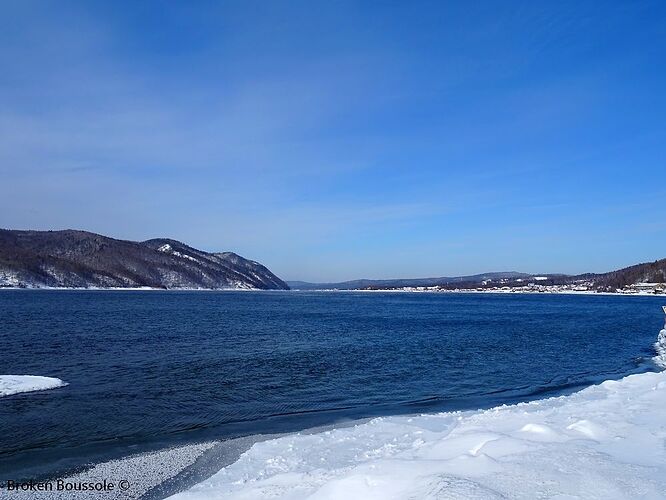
[{"x": 151, "y": 369}]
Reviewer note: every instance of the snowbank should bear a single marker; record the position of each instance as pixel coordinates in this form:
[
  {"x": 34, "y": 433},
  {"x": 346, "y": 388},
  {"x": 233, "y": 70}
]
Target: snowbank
[
  {"x": 605, "y": 442},
  {"x": 660, "y": 347},
  {"x": 13, "y": 384}
]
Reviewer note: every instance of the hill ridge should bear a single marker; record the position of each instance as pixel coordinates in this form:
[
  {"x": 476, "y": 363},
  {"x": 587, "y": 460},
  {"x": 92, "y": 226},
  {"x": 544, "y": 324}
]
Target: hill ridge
[{"x": 80, "y": 259}]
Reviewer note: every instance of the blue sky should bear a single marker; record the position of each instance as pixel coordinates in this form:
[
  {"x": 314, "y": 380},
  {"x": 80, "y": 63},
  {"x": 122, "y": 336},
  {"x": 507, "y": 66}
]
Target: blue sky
[{"x": 336, "y": 140}]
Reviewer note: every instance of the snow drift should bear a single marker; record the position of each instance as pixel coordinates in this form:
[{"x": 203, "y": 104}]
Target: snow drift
[{"x": 660, "y": 347}]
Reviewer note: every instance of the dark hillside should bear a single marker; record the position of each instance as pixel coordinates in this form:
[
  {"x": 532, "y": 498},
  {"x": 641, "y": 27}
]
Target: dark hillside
[{"x": 82, "y": 259}]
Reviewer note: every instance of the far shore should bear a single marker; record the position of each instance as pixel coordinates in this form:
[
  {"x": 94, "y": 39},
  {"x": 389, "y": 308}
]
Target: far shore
[{"x": 336, "y": 290}]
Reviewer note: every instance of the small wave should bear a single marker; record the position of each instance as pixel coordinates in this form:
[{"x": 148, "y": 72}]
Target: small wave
[
  {"x": 15, "y": 384},
  {"x": 660, "y": 347}
]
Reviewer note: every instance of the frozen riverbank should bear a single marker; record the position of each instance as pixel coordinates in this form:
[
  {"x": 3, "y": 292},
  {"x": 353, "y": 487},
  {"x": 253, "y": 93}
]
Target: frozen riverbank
[{"x": 606, "y": 441}]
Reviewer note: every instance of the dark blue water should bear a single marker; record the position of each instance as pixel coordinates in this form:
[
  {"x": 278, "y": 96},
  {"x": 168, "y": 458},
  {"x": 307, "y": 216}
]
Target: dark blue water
[{"x": 149, "y": 369}]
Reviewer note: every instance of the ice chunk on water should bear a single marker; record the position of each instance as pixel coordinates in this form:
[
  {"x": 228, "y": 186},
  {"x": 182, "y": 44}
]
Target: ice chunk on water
[{"x": 14, "y": 384}]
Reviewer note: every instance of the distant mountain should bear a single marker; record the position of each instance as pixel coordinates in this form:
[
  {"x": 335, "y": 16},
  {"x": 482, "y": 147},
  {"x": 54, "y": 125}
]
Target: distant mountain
[
  {"x": 650, "y": 272},
  {"x": 79, "y": 259},
  {"x": 398, "y": 283}
]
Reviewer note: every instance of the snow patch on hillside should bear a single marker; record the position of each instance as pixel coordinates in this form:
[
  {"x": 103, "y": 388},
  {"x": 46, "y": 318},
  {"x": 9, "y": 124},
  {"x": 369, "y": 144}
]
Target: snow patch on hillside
[
  {"x": 166, "y": 248},
  {"x": 9, "y": 278}
]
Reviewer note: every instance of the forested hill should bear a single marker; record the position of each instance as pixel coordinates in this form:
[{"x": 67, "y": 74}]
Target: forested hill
[
  {"x": 79, "y": 259},
  {"x": 649, "y": 272}
]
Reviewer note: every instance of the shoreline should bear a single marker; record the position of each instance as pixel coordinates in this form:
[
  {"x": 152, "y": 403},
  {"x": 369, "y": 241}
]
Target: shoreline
[
  {"x": 136, "y": 289},
  {"x": 498, "y": 292},
  {"x": 330, "y": 290},
  {"x": 221, "y": 468},
  {"x": 468, "y": 451}
]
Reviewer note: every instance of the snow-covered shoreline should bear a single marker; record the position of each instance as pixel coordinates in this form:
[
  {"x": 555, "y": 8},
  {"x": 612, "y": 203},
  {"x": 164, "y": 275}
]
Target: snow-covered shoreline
[
  {"x": 605, "y": 442},
  {"x": 328, "y": 290},
  {"x": 485, "y": 292},
  {"x": 137, "y": 289}
]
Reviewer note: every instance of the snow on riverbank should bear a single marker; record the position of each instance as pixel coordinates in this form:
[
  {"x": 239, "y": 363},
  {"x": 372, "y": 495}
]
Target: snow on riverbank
[
  {"x": 604, "y": 442},
  {"x": 14, "y": 384},
  {"x": 129, "y": 289},
  {"x": 660, "y": 347}
]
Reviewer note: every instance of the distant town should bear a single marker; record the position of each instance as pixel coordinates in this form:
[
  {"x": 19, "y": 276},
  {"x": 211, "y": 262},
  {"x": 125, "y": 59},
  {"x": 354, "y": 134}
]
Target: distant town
[{"x": 537, "y": 284}]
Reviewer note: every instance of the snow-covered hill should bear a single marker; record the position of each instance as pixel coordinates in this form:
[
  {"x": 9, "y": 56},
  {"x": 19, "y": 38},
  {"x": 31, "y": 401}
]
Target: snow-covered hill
[{"x": 79, "y": 259}]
